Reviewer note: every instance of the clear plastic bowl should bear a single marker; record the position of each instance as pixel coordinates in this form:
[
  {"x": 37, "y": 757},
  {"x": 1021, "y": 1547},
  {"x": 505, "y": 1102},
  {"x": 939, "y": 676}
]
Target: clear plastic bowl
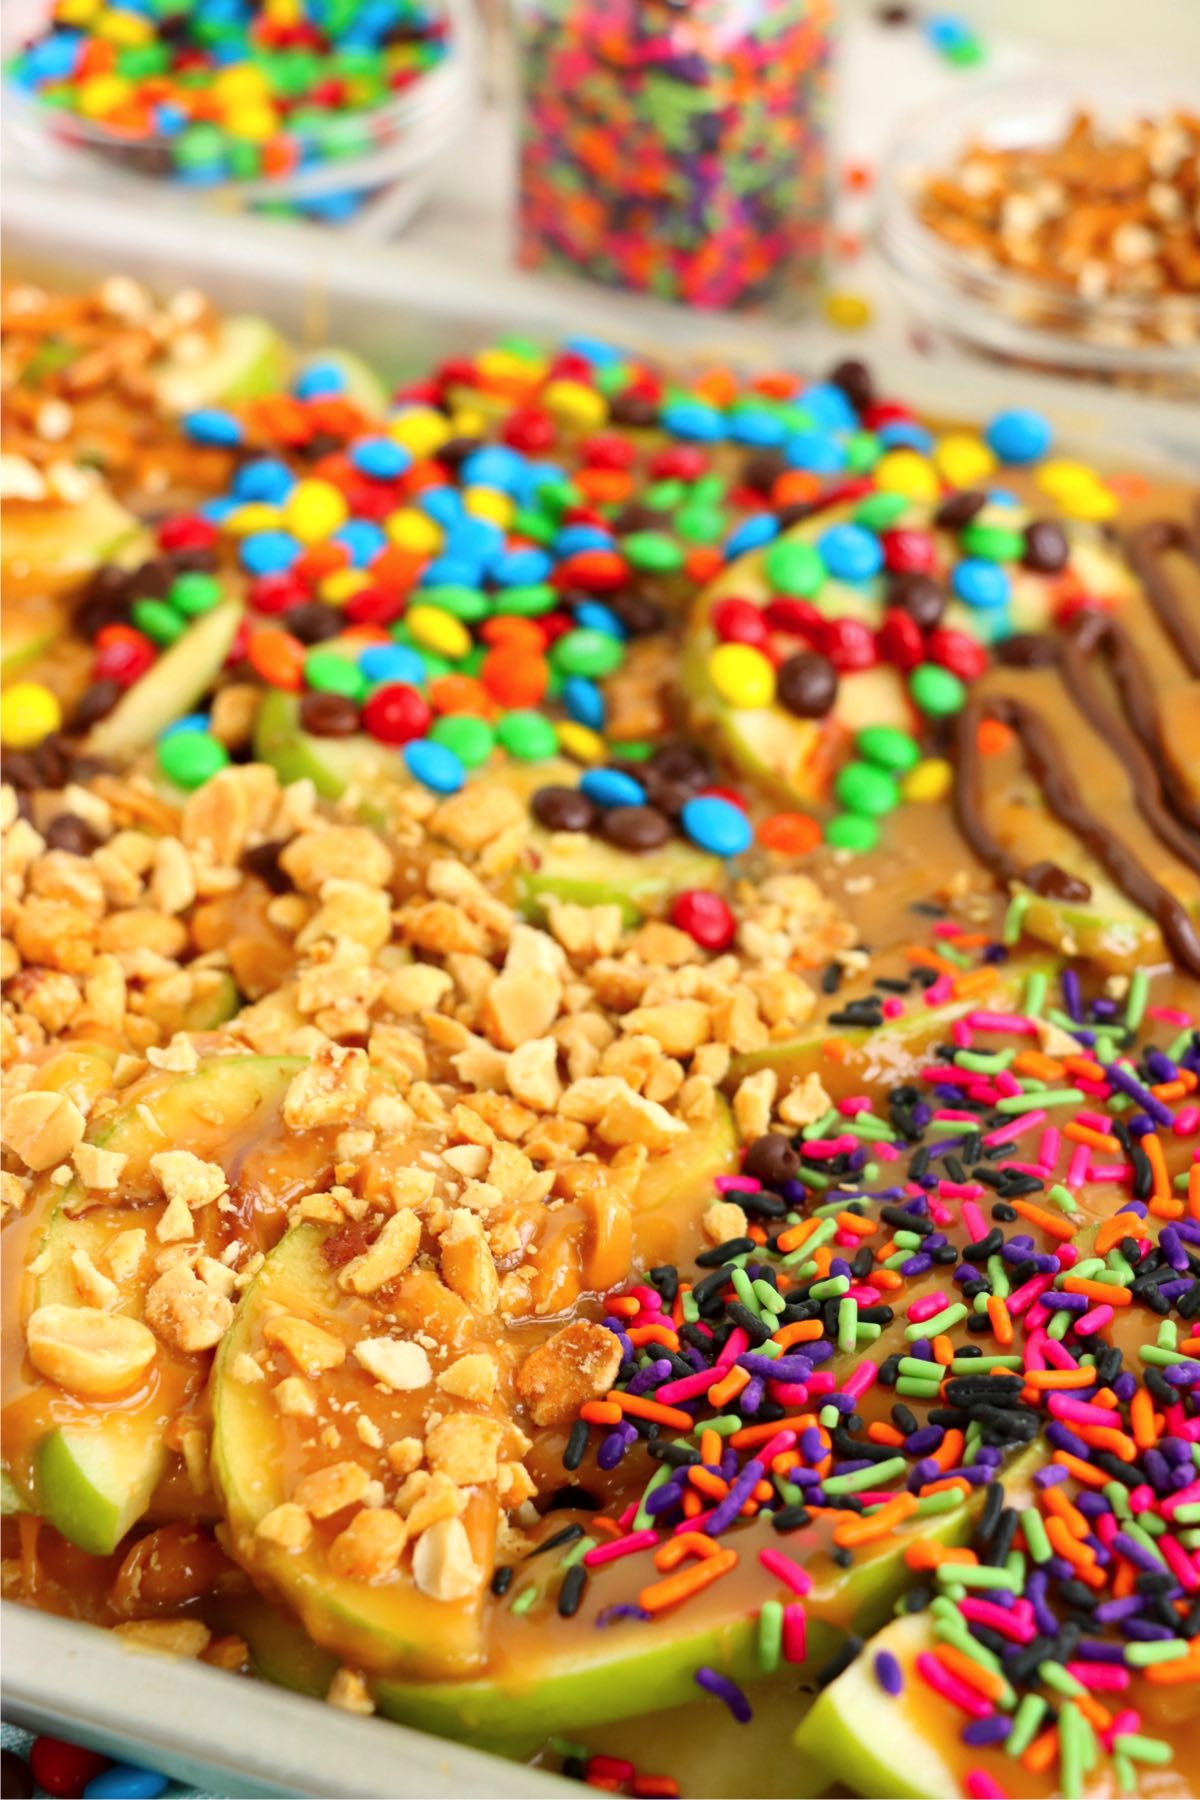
[
  {"x": 406, "y": 138},
  {"x": 1007, "y": 316}
]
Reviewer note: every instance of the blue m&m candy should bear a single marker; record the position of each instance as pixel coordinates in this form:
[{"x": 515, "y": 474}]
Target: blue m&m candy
[{"x": 1019, "y": 436}]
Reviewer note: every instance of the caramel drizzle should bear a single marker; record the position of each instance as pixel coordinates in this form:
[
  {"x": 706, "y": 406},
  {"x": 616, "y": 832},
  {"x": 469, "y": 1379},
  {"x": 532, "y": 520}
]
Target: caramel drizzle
[
  {"x": 1041, "y": 756},
  {"x": 1145, "y": 549}
]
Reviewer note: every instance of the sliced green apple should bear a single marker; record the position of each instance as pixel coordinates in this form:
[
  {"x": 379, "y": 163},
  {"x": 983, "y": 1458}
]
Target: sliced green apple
[
  {"x": 248, "y": 359},
  {"x": 58, "y": 544},
  {"x": 90, "y": 1469},
  {"x": 171, "y": 687},
  {"x": 569, "y": 866}
]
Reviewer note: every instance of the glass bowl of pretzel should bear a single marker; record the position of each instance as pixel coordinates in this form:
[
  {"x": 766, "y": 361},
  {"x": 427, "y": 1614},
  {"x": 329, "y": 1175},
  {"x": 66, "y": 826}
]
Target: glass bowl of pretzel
[{"x": 1054, "y": 223}]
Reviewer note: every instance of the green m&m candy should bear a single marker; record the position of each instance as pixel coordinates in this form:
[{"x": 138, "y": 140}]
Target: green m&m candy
[
  {"x": 528, "y": 736},
  {"x": 866, "y": 790},
  {"x": 936, "y": 691},
  {"x": 793, "y": 567},
  {"x": 190, "y": 758}
]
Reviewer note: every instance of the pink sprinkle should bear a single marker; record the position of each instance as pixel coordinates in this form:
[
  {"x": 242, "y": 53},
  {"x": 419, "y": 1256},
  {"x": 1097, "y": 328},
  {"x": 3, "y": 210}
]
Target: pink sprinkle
[
  {"x": 735, "y": 1344},
  {"x": 1170, "y": 1015},
  {"x": 1009, "y": 1085},
  {"x": 1004, "y": 1134},
  {"x": 939, "y": 1678},
  {"x": 1127, "y": 1720},
  {"x": 688, "y": 1386},
  {"x": 1027, "y": 1293},
  {"x": 1081, "y": 1412},
  {"x": 649, "y": 1299},
  {"x": 939, "y": 1212},
  {"x": 1095, "y": 1121},
  {"x": 960, "y": 1031},
  {"x": 1077, "y": 1168},
  {"x": 736, "y": 1184},
  {"x": 974, "y": 1221},
  {"x": 939, "y": 992},
  {"x": 824, "y": 1382},
  {"x": 1189, "y": 1430},
  {"x": 1056, "y": 1354},
  {"x": 1068, "y": 1256},
  {"x": 789, "y": 1393},
  {"x": 830, "y": 1147},
  {"x": 1012, "y": 1023},
  {"x": 885, "y": 1152},
  {"x": 1187, "y": 1120},
  {"x": 979, "y": 1785},
  {"x": 1111, "y": 1172},
  {"x": 1095, "y": 1319},
  {"x": 795, "y": 1633},
  {"x": 959, "y": 1190},
  {"x": 892, "y": 1007},
  {"x": 1099, "y": 1089},
  {"x": 946, "y": 928},
  {"x": 785, "y": 1570},
  {"x": 855, "y": 1104},
  {"x": 999, "y": 1618},
  {"x": 1025, "y": 1168},
  {"x": 1048, "y": 1146},
  {"x": 926, "y": 1306},
  {"x": 618, "y": 1547},
  {"x": 862, "y": 1378},
  {"x": 783, "y": 1440},
  {"x": 866, "y": 1296},
  {"x": 699, "y": 1523},
  {"x": 626, "y": 1517},
  {"x": 1106, "y": 1529},
  {"x": 1039, "y": 1315},
  {"x": 1179, "y": 1562},
  {"x": 1141, "y": 1498}
]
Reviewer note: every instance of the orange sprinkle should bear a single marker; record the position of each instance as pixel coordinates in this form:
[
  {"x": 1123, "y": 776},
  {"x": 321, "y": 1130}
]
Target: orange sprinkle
[
  {"x": 887, "y": 1280},
  {"x": 855, "y": 1223},
  {"x": 653, "y": 1334},
  {"x": 692, "y": 1504},
  {"x": 707, "y": 1481},
  {"x": 1035, "y": 1062},
  {"x": 600, "y": 1412},
  {"x": 759, "y": 1434},
  {"x": 1061, "y": 1506},
  {"x": 1162, "y": 1208},
  {"x": 984, "y": 1681},
  {"x": 710, "y": 1447},
  {"x": 1093, "y": 1711},
  {"x": 678, "y": 1549},
  {"x": 977, "y": 981},
  {"x": 1106, "y": 1437},
  {"x": 929, "y": 959},
  {"x": 1111, "y": 1233},
  {"x": 1084, "y": 1134},
  {"x": 1000, "y": 1319},
  {"x": 638, "y": 1407},
  {"x": 803, "y": 1331},
  {"x": 1082, "y": 1471},
  {"x": 943, "y": 1350},
  {"x": 1189, "y": 1346},
  {"x": 687, "y": 1581},
  {"x": 879, "y": 1432},
  {"x": 948, "y": 1454},
  {"x": 729, "y": 1386},
  {"x": 1083, "y": 1065},
  {"x": 858, "y": 1530},
  {"x": 1096, "y": 1290},
  {"x": 1042, "y": 1754},
  {"x": 599, "y": 1523},
  {"x": 625, "y": 1306},
  {"x": 928, "y": 1553},
  {"x": 1060, "y": 1536},
  {"x": 1154, "y": 1156},
  {"x": 1174, "y": 1674},
  {"x": 1055, "y": 1380},
  {"x": 1053, "y": 1224},
  {"x": 950, "y": 1484},
  {"x": 795, "y": 1235}
]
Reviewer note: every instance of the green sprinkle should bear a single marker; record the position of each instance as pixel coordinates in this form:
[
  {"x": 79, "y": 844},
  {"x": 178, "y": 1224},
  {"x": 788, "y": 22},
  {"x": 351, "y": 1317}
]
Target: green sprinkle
[
  {"x": 1143, "y": 1749},
  {"x": 1019, "y": 1103},
  {"x": 744, "y": 1288},
  {"x": 1063, "y": 1198},
  {"x": 1071, "y": 1751},
  {"x": 770, "y": 1635},
  {"x": 947, "y": 1500},
  {"x": 1034, "y": 996},
  {"x": 940, "y": 1322},
  {"x": 1165, "y": 1359},
  {"x": 577, "y": 1552},
  {"x": 1026, "y": 1724},
  {"x": 877, "y": 1475},
  {"x": 1057, "y": 1676},
  {"x": 1014, "y": 918},
  {"x": 964, "y": 1575},
  {"x": 770, "y": 1299},
  {"x": 1040, "y": 1547},
  {"x": 1126, "y": 1774},
  {"x": 1145, "y": 1656},
  {"x": 909, "y": 1388},
  {"x": 642, "y": 1518},
  {"x": 833, "y": 1289},
  {"x": 847, "y": 1332},
  {"x": 1135, "y": 1003},
  {"x": 524, "y": 1600}
]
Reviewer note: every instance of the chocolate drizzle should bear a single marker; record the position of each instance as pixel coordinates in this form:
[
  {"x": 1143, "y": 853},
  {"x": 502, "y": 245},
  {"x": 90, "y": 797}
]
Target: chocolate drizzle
[
  {"x": 1145, "y": 548},
  {"x": 1064, "y": 800}
]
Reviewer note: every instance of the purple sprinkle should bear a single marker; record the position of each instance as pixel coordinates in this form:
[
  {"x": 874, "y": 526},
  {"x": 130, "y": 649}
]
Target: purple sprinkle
[
  {"x": 809, "y": 1444},
  {"x": 649, "y": 1377},
  {"x": 729, "y": 1508},
  {"x": 1121, "y": 1077},
  {"x": 1137, "y": 1553},
  {"x": 623, "y": 1609},
  {"x": 888, "y": 1673},
  {"x": 916, "y": 1265},
  {"x": 1146, "y": 1631},
  {"x": 1184, "y": 1375},
  {"x": 612, "y": 1449},
  {"x": 751, "y": 1396},
  {"x": 1100, "y": 1650},
  {"x": 1070, "y": 992},
  {"x": 664, "y": 1498},
  {"x": 923, "y": 1440},
  {"x": 727, "y": 1691},
  {"x": 1050, "y": 1476},
  {"x": 1160, "y": 1065},
  {"x": 983, "y": 1732},
  {"x": 779, "y": 1368},
  {"x": 1111, "y": 1612},
  {"x": 1104, "y": 1009}
]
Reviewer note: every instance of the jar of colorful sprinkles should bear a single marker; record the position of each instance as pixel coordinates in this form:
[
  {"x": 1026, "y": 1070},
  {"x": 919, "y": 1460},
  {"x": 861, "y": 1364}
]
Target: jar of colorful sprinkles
[{"x": 676, "y": 147}]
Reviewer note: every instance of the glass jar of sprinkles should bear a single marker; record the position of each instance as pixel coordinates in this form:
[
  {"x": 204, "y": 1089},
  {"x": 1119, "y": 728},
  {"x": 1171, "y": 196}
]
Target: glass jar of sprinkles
[{"x": 676, "y": 147}]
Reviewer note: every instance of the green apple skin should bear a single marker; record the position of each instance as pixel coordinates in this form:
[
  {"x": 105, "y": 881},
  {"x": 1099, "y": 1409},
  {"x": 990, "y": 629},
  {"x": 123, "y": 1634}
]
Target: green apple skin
[
  {"x": 249, "y": 359},
  {"x": 93, "y": 1478},
  {"x": 171, "y": 687},
  {"x": 63, "y": 544},
  {"x": 868, "y": 1741}
]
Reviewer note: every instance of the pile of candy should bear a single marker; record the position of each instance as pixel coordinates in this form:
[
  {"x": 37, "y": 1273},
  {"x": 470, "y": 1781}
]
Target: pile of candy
[
  {"x": 745, "y": 1385},
  {"x": 224, "y": 90},
  {"x": 69, "y": 1770},
  {"x": 679, "y": 151}
]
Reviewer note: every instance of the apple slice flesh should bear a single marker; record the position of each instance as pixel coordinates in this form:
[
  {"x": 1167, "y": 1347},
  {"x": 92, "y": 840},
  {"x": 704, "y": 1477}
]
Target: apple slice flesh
[
  {"x": 92, "y": 1474},
  {"x": 248, "y": 359},
  {"x": 171, "y": 687}
]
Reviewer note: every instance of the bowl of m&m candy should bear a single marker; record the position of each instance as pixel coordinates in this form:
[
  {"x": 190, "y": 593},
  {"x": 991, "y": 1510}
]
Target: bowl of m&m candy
[{"x": 302, "y": 108}]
